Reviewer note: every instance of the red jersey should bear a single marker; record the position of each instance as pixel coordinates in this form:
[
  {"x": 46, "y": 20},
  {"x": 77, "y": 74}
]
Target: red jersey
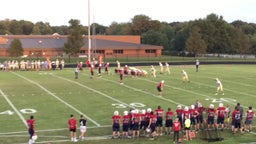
[
  {"x": 193, "y": 112},
  {"x": 169, "y": 115},
  {"x": 211, "y": 112},
  {"x": 200, "y": 110},
  {"x": 153, "y": 118},
  {"x": 186, "y": 114},
  {"x": 179, "y": 112},
  {"x": 121, "y": 71},
  {"x": 147, "y": 116},
  {"x": 176, "y": 126},
  {"x": 31, "y": 123},
  {"x": 72, "y": 123},
  {"x": 160, "y": 85},
  {"x": 221, "y": 111},
  {"x": 126, "y": 119},
  {"x": 143, "y": 117},
  {"x": 249, "y": 115},
  {"x": 159, "y": 113},
  {"x": 116, "y": 119},
  {"x": 136, "y": 118}
]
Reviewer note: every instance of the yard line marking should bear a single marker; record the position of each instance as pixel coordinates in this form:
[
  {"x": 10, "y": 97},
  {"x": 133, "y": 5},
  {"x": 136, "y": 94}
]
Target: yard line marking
[
  {"x": 50, "y": 130},
  {"x": 96, "y": 91},
  {"x": 139, "y": 90},
  {"x": 188, "y": 91},
  {"x": 52, "y": 94},
  {"x": 14, "y": 108}
]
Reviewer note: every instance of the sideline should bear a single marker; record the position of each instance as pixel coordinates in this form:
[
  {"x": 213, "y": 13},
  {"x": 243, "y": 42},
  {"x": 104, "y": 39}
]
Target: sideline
[
  {"x": 61, "y": 100},
  {"x": 14, "y": 108}
]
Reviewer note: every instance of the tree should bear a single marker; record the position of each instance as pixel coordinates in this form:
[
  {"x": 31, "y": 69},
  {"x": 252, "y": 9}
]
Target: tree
[
  {"x": 243, "y": 43},
  {"x": 75, "y": 39},
  {"x": 154, "y": 38},
  {"x": 195, "y": 44},
  {"x": 140, "y": 24},
  {"x": 15, "y": 48}
]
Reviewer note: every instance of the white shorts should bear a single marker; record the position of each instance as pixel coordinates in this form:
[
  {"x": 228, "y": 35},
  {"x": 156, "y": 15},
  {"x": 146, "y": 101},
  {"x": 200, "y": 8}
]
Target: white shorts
[{"x": 82, "y": 128}]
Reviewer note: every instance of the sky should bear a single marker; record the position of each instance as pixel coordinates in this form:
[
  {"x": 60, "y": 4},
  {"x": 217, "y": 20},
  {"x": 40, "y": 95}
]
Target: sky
[{"x": 105, "y": 12}]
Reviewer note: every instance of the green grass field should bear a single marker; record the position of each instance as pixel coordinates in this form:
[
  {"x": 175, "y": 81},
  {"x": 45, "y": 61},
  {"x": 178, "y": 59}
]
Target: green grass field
[{"x": 51, "y": 96}]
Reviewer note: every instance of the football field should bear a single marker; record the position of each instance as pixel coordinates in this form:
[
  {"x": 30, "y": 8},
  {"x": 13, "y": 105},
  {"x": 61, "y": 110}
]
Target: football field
[{"x": 51, "y": 96}]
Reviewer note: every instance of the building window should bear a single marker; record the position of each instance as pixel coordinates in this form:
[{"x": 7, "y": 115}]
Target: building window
[
  {"x": 118, "y": 51},
  {"x": 150, "y": 51},
  {"x": 99, "y": 51},
  {"x": 82, "y": 52}
]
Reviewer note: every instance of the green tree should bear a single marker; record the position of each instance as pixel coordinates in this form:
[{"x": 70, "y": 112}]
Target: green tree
[
  {"x": 75, "y": 39},
  {"x": 45, "y": 28},
  {"x": 154, "y": 38},
  {"x": 242, "y": 43},
  {"x": 195, "y": 44},
  {"x": 140, "y": 24},
  {"x": 15, "y": 48}
]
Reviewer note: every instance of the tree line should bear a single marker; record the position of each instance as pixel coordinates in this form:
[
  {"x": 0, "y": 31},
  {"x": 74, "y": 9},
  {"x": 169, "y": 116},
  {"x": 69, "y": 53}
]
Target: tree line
[{"x": 211, "y": 34}]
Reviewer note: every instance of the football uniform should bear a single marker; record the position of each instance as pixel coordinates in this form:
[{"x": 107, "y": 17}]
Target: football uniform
[
  {"x": 116, "y": 123},
  {"x": 160, "y": 115},
  {"x": 210, "y": 113},
  {"x": 31, "y": 128},
  {"x": 82, "y": 125},
  {"x": 72, "y": 124},
  {"x": 168, "y": 119},
  {"x": 126, "y": 123},
  {"x": 221, "y": 115}
]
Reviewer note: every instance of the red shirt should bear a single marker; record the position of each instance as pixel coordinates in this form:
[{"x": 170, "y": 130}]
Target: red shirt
[
  {"x": 161, "y": 85},
  {"x": 72, "y": 123},
  {"x": 143, "y": 117},
  {"x": 200, "y": 110},
  {"x": 211, "y": 112},
  {"x": 126, "y": 119},
  {"x": 31, "y": 123},
  {"x": 159, "y": 113},
  {"x": 193, "y": 112},
  {"x": 136, "y": 118},
  {"x": 221, "y": 111},
  {"x": 169, "y": 115},
  {"x": 186, "y": 114},
  {"x": 147, "y": 116},
  {"x": 116, "y": 119},
  {"x": 249, "y": 115},
  {"x": 176, "y": 126},
  {"x": 153, "y": 118},
  {"x": 179, "y": 112}
]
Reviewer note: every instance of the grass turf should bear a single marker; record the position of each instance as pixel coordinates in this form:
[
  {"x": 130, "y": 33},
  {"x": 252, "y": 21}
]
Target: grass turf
[{"x": 51, "y": 96}]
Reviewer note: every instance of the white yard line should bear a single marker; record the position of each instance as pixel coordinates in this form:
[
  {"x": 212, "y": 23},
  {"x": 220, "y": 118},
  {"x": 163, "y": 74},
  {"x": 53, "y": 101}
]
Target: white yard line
[
  {"x": 96, "y": 91},
  {"x": 14, "y": 108},
  {"x": 52, "y": 94},
  {"x": 51, "y": 130},
  {"x": 148, "y": 93}
]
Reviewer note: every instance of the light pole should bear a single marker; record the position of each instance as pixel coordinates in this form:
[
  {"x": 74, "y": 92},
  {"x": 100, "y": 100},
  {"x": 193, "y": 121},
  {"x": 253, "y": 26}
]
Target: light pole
[{"x": 89, "y": 33}]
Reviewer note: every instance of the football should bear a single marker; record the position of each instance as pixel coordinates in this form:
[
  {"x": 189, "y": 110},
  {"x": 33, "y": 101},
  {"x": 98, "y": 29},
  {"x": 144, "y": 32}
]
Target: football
[
  {"x": 148, "y": 130},
  {"x": 34, "y": 137}
]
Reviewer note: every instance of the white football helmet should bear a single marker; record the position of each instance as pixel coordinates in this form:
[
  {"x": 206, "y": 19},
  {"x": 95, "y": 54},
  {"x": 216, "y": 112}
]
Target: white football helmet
[
  {"x": 179, "y": 107},
  {"x": 186, "y": 108},
  {"x": 125, "y": 112},
  {"x": 143, "y": 111},
  {"x": 116, "y": 113},
  {"x": 211, "y": 106},
  {"x": 221, "y": 105},
  {"x": 192, "y": 106},
  {"x": 149, "y": 110}
]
